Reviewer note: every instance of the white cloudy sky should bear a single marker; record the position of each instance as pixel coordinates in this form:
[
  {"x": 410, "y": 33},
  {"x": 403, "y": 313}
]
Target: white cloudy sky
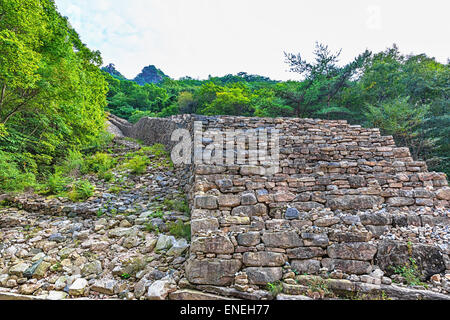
[{"x": 217, "y": 37}]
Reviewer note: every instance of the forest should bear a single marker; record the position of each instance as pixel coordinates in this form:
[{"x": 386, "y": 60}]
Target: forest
[{"x": 55, "y": 96}]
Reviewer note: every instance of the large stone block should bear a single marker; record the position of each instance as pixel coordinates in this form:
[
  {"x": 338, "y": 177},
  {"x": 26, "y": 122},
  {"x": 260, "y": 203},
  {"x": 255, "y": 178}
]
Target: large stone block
[
  {"x": 350, "y": 236},
  {"x": 375, "y": 219},
  {"x": 306, "y": 266},
  {"x": 263, "y": 276},
  {"x": 400, "y": 201},
  {"x": 354, "y": 202},
  {"x": 305, "y": 253},
  {"x": 212, "y": 271},
  {"x": 428, "y": 258},
  {"x": 249, "y": 239},
  {"x": 283, "y": 239},
  {"x": 347, "y": 266},
  {"x": 206, "y": 202},
  {"x": 315, "y": 239},
  {"x": 264, "y": 259},
  {"x": 229, "y": 201},
  {"x": 443, "y": 194},
  {"x": 352, "y": 251},
  {"x": 218, "y": 244},
  {"x": 204, "y": 225},
  {"x": 250, "y": 211}
]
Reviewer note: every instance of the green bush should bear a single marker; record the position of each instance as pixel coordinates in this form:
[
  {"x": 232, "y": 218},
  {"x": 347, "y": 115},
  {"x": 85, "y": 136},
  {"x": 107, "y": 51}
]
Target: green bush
[
  {"x": 57, "y": 184},
  {"x": 180, "y": 230},
  {"x": 138, "y": 164},
  {"x": 11, "y": 177},
  {"x": 98, "y": 163},
  {"x": 81, "y": 190},
  {"x": 73, "y": 164}
]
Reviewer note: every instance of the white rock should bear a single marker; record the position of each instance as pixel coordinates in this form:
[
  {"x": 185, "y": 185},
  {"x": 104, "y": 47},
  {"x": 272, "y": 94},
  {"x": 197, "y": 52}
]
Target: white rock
[
  {"x": 160, "y": 289},
  {"x": 78, "y": 287},
  {"x": 56, "y": 295}
]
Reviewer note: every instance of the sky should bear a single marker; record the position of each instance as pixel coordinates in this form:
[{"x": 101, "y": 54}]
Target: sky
[{"x": 198, "y": 38}]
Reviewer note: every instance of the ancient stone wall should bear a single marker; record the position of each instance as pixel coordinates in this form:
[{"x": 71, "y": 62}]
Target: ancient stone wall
[{"x": 346, "y": 200}]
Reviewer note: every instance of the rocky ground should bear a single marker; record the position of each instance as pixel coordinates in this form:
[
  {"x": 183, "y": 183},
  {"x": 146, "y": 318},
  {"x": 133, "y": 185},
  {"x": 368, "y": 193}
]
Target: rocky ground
[{"x": 117, "y": 244}]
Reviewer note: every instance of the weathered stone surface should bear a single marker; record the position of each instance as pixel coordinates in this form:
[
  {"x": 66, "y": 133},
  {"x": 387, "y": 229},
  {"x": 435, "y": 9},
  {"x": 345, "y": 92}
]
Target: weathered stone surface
[
  {"x": 19, "y": 269},
  {"x": 347, "y": 266},
  {"x": 305, "y": 253},
  {"x": 204, "y": 225},
  {"x": 160, "y": 289},
  {"x": 287, "y": 239},
  {"x": 178, "y": 248},
  {"x": 352, "y": 251},
  {"x": 263, "y": 276},
  {"x": 292, "y": 213},
  {"x": 428, "y": 258},
  {"x": 375, "y": 219},
  {"x": 357, "y": 181},
  {"x": 306, "y": 266},
  {"x": 443, "y": 194},
  {"x": 105, "y": 286},
  {"x": 249, "y": 239},
  {"x": 347, "y": 236},
  {"x": 212, "y": 271},
  {"x": 264, "y": 259},
  {"x": 250, "y": 211},
  {"x": 354, "y": 202},
  {"x": 315, "y": 239},
  {"x": 194, "y": 295},
  {"x": 206, "y": 202},
  {"x": 400, "y": 201},
  {"x": 308, "y": 206},
  {"x": 78, "y": 287},
  {"x": 248, "y": 199},
  {"x": 218, "y": 244},
  {"x": 92, "y": 268},
  {"x": 327, "y": 222},
  {"x": 229, "y": 201}
]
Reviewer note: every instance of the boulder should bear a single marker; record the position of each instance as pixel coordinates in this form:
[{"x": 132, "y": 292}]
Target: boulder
[
  {"x": 392, "y": 254},
  {"x": 263, "y": 276},
  {"x": 218, "y": 272},
  {"x": 264, "y": 259},
  {"x": 284, "y": 239},
  {"x": 352, "y": 251},
  {"x": 219, "y": 244}
]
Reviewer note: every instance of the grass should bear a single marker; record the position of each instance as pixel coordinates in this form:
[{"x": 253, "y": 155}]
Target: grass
[
  {"x": 275, "y": 288},
  {"x": 81, "y": 191},
  {"x": 180, "y": 229},
  {"x": 411, "y": 273}
]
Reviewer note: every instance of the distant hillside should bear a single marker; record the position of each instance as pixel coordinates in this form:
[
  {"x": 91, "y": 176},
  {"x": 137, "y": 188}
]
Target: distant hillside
[
  {"x": 150, "y": 74},
  {"x": 111, "y": 69}
]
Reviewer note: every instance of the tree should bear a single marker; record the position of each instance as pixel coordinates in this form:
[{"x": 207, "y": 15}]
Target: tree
[
  {"x": 323, "y": 81},
  {"x": 52, "y": 92}
]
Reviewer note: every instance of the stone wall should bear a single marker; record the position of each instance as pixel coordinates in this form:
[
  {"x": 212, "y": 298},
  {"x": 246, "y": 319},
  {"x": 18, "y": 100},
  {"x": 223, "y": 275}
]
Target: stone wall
[{"x": 345, "y": 200}]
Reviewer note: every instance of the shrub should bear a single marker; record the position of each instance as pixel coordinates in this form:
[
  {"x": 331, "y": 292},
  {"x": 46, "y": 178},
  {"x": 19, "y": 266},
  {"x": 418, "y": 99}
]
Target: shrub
[
  {"x": 57, "y": 184},
  {"x": 180, "y": 230},
  {"x": 98, "y": 163},
  {"x": 11, "y": 177},
  {"x": 81, "y": 190},
  {"x": 72, "y": 164},
  {"x": 410, "y": 272},
  {"x": 275, "y": 288},
  {"x": 138, "y": 164}
]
